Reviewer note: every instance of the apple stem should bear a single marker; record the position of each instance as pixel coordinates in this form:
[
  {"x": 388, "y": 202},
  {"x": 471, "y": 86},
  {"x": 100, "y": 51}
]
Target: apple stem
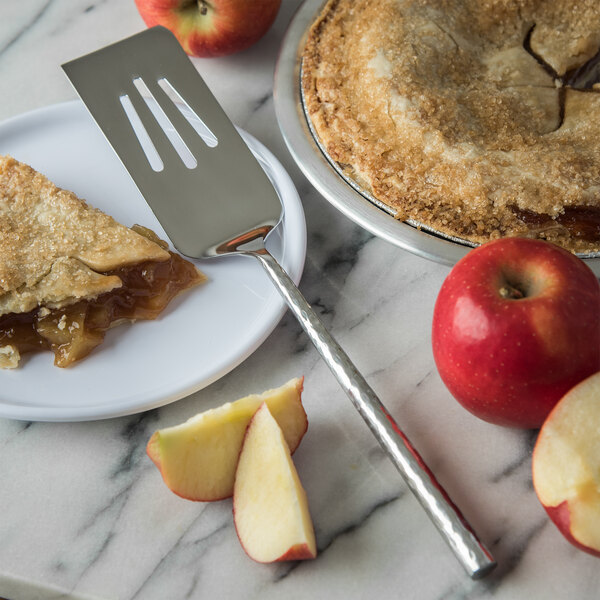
[
  {"x": 510, "y": 292},
  {"x": 203, "y": 6}
]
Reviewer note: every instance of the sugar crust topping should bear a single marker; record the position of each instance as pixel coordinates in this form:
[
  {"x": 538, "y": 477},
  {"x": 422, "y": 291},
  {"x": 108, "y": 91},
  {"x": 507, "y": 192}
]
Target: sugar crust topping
[
  {"x": 452, "y": 112},
  {"x": 54, "y": 248}
]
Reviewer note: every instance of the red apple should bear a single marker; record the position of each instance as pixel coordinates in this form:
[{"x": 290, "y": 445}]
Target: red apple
[
  {"x": 516, "y": 325},
  {"x": 211, "y": 27},
  {"x": 566, "y": 465}
]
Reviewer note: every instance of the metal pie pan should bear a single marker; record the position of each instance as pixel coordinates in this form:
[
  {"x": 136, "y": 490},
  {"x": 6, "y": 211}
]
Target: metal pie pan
[{"x": 327, "y": 177}]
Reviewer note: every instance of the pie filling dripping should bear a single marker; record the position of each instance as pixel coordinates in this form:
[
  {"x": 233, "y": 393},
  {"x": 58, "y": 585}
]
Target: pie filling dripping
[{"x": 73, "y": 331}]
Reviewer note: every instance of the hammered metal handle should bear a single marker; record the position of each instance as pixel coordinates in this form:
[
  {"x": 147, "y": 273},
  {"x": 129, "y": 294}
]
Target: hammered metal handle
[{"x": 471, "y": 553}]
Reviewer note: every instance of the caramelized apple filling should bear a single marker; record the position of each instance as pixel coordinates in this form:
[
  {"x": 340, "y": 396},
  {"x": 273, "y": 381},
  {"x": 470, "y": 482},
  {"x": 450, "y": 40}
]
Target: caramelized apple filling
[
  {"x": 582, "y": 222},
  {"x": 73, "y": 331}
]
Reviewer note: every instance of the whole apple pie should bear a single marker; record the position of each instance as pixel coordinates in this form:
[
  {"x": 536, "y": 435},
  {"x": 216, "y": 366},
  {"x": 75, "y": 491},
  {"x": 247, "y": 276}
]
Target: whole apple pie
[
  {"x": 69, "y": 272},
  {"x": 478, "y": 119}
]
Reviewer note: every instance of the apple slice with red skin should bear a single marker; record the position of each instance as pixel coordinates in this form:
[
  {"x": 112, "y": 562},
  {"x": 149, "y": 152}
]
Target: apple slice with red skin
[
  {"x": 197, "y": 459},
  {"x": 516, "y": 325},
  {"x": 209, "y": 28},
  {"x": 270, "y": 508},
  {"x": 566, "y": 465}
]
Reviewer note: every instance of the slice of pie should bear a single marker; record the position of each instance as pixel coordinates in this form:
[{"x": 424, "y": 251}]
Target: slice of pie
[
  {"x": 476, "y": 118},
  {"x": 69, "y": 272}
]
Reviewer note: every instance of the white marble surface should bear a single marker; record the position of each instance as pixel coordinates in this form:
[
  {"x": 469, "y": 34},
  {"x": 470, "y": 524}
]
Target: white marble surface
[{"x": 84, "y": 513}]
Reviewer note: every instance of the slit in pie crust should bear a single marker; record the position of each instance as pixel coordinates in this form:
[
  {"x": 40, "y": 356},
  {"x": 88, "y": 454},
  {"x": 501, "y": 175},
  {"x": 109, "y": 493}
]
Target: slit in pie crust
[
  {"x": 69, "y": 272},
  {"x": 477, "y": 118}
]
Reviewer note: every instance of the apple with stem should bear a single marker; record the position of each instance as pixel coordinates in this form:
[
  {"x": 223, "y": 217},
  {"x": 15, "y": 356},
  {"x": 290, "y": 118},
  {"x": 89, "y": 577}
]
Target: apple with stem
[
  {"x": 516, "y": 325},
  {"x": 197, "y": 459},
  {"x": 270, "y": 508},
  {"x": 211, "y": 27},
  {"x": 566, "y": 465}
]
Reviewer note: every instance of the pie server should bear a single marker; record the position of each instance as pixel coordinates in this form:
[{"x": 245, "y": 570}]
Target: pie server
[{"x": 213, "y": 198}]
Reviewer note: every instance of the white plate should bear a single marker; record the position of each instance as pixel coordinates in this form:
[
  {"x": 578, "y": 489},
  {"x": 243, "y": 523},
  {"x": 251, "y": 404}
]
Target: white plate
[{"x": 200, "y": 337}]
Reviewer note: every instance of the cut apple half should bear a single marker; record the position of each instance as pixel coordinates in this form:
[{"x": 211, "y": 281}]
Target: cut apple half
[
  {"x": 198, "y": 458},
  {"x": 270, "y": 508},
  {"x": 566, "y": 465}
]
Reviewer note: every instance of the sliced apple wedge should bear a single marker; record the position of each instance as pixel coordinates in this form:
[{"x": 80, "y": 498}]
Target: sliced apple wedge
[
  {"x": 198, "y": 458},
  {"x": 566, "y": 465},
  {"x": 270, "y": 509}
]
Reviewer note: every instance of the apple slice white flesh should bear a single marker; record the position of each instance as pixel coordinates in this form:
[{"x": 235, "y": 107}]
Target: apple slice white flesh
[
  {"x": 566, "y": 465},
  {"x": 270, "y": 509},
  {"x": 198, "y": 458}
]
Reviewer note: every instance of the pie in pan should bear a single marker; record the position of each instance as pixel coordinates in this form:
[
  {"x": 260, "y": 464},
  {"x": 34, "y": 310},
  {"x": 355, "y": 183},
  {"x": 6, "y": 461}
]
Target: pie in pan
[
  {"x": 69, "y": 272},
  {"x": 476, "y": 118}
]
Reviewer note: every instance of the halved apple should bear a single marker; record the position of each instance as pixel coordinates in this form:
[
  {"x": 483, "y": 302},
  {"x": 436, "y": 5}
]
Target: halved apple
[
  {"x": 198, "y": 458},
  {"x": 270, "y": 509},
  {"x": 566, "y": 465}
]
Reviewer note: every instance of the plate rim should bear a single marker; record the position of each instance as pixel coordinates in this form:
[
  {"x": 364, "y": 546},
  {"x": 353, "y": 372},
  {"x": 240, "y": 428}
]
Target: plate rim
[
  {"x": 322, "y": 175},
  {"x": 291, "y": 203}
]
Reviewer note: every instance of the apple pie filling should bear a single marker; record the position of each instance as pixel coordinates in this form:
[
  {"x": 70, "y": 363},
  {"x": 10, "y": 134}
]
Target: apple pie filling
[{"x": 73, "y": 331}]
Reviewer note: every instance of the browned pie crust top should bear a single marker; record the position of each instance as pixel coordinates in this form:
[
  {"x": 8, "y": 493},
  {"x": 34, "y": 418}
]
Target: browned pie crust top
[
  {"x": 458, "y": 113},
  {"x": 69, "y": 272},
  {"x": 54, "y": 248}
]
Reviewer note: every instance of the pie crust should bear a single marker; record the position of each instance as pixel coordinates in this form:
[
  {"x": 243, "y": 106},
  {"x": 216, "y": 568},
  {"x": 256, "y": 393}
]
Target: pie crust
[
  {"x": 68, "y": 271},
  {"x": 466, "y": 116}
]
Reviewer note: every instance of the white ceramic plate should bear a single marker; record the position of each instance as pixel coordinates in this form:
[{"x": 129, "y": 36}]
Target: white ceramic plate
[{"x": 200, "y": 337}]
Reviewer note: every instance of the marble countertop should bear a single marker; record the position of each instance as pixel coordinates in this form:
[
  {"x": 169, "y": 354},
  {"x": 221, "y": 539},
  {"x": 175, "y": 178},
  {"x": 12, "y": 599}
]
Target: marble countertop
[{"x": 84, "y": 513}]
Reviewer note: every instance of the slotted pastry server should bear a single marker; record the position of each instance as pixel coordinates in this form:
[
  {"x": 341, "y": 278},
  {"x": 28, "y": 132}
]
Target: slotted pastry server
[{"x": 213, "y": 199}]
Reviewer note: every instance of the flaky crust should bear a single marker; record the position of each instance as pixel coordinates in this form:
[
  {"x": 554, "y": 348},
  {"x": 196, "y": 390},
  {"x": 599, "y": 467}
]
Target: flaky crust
[
  {"x": 437, "y": 109},
  {"x": 54, "y": 248}
]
